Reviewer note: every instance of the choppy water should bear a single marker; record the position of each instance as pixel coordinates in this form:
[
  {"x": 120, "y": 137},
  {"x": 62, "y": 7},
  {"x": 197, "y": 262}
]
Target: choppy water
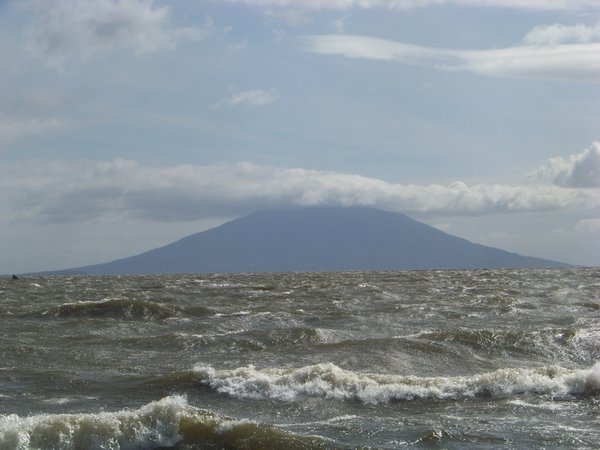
[{"x": 449, "y": 359}]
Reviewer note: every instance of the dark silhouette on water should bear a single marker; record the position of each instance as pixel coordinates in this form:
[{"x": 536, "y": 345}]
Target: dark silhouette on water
[{"x": 14, "y": 277}]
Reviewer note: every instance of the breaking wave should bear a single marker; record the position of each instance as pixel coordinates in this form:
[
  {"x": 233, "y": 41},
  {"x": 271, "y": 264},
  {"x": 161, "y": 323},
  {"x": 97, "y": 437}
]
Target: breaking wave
[
  {"x": 168, "y": 423},
  {"x": 331, "y": 381}
]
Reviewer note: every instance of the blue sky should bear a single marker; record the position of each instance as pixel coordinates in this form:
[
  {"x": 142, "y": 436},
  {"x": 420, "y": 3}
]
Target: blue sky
[{"x": 125, "y": 125}]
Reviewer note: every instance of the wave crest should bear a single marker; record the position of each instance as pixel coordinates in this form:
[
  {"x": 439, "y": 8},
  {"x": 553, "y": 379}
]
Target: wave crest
[
  {"x": 330, "y": 381},
  {"x": 154, "y": 425},
  {"x": 166, "y": 423}
]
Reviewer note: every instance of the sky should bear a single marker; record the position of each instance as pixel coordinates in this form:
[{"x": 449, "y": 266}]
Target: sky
[{"x": 126, "y": 125}]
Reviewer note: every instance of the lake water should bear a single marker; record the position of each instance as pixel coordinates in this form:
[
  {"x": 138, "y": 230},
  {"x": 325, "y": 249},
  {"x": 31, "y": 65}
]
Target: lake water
[{"x": 417, "y": 359}]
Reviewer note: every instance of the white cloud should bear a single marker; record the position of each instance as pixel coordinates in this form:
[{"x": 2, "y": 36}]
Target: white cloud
[
  {"x": 577, "y": 62},
  {"x": 66, "y": 29},
  {"x": 588, "y": 226},
  {"x": 339, "y": 24},
  {"x": 13, "y": 128},
  {"x": 561, "y": 62},
  {"x": 317, "y": 5},
  {"x": 55, "y": 192},
  {"x": 239, "y": 46},
  {"x": 256, "y": 97},
  {"x": 373, "y": 48},
  {"x": 579, "y": 171},
  {"x": 558, "y": 34}
]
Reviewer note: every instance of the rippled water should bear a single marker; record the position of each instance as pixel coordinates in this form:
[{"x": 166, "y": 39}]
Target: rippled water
[{"x": 454, "y": 359}]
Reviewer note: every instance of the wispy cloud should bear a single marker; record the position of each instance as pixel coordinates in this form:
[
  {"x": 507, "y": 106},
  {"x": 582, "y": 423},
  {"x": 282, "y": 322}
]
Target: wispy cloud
[
  {"x": 256, "y": 97},
  {"x": 66, "y": 29},
  {"x": 560, "y": 62},
  {"x": 339, "y": 24},
  {"x": 405, "y": 4},
  {"x": 12, "y": 128},
  {"x": 69, "y": 191},
  {"x": 588, "y": 226}
]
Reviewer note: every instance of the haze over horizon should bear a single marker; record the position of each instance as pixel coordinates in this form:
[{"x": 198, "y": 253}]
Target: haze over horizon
[{"x": 126, "y": 125}]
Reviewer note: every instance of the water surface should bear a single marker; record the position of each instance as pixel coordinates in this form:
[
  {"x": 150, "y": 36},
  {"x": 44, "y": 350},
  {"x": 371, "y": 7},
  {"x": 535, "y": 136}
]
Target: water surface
[{"x": 453, "y": 359}]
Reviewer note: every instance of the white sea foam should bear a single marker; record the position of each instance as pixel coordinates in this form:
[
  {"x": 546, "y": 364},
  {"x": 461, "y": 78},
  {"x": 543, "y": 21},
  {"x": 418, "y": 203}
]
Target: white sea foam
[
  {"x": 227, "y": 426},
  {"x": 151, "y": 426},
  {"x": 546, "y": 405},
  {"x": 178, "y": 320},
  {"x": 330, "y": 381},
  {"x": 330, "y": 336},
  {"x": 160, "y": 424},
  {"x": 234, "y": 314},
  {"x": 66, "y": 400}
]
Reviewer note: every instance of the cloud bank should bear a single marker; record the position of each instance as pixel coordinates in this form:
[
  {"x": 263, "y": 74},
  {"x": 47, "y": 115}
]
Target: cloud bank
[
  {"x": 58, "y": 192},
  {"x": 580, "y": 62},
  {"x": 66, "y": 29}
]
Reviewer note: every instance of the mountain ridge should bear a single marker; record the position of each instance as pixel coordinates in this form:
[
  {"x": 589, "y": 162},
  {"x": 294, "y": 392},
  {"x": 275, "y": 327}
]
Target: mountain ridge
[{"x": 313, "y": 239}]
